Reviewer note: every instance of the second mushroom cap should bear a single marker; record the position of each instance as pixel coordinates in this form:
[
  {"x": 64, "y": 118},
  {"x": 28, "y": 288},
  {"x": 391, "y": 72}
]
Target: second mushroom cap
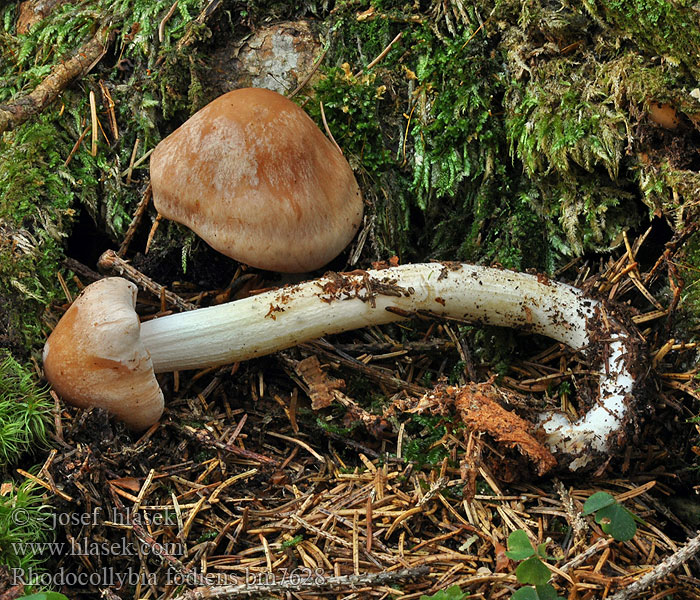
[{"x": 253, "y": 175}]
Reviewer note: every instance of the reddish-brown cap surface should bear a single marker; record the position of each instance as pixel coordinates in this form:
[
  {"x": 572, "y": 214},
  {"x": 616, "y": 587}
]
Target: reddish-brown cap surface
[
  {"x": 254, "y": 176},
  {"x": 94, "y": 356}
]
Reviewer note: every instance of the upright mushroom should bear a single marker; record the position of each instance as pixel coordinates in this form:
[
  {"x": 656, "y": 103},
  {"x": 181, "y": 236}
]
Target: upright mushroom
[
  {"x": 253, "y": 176},
  {"x": 291, "y": 315}
]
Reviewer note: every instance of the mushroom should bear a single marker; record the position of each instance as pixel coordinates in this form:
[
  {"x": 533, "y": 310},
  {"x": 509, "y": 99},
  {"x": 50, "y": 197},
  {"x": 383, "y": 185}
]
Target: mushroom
[
  {"x": 94, "y": 356},
  {"x": 255, "y": 178},
  {"x": 664, "y": 115},
  {"x": 288, "y": 316}
]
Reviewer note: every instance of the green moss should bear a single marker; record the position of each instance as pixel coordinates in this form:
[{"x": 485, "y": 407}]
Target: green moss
[
  {"x": 423, "y": 431},
  {"x": 31, "y": 56},
  {"x": 332, "y": 428},
  {"x": 40, "y": 195},
  {"x": 36, "y": 198},
  {"x": 351, "y": 104},
  {"x": 566, "y": 122},
  {"x": 632, "y": 78},
  {"x": 659, "y": 27},
  {"x": 667, "y": 191},
  {"x": 439, "y": 130},
  {"x": 25, "y": 518},
  {"x": 689, "y": 270},
  {"x": 24, "y": 410},
  {"x": 423, "y": 128},
  {"x": 39, "y": 199},
  {"x": 553, "y": 128}
]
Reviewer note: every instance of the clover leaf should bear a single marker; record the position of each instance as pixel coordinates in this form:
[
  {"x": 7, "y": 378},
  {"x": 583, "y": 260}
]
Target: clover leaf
[
  {"x": 539, "y": 592},
  {"x": 597, "y": 501},
  {"x": 453, "y": 592},
  {"x": 519, "y": 546},
  {"x": 613, "y": 518},
  {"x": 533, "y": 571}
]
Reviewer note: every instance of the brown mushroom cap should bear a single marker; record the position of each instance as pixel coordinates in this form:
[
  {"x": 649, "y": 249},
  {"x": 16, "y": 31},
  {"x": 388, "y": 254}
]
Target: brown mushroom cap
[
  {"x": 254, "y": 176},
  {"x": 664, "y": 115},
  {"x": 94, "y": 356}
]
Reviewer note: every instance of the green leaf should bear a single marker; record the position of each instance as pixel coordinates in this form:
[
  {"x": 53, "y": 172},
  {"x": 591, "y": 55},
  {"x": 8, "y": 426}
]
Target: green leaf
[
  {"x": 44, "y": 596},
  {"x": 617, "y": 521},
  {"x": 451, "y": 593},
  {"x": 526, "y": 593},
  {"x": 540, "y": 592},
  {"x": 533, "y": 571},
  {"x": 597, "y": 501},
  {"x": 547, "y": 592},
  {"x": 519, "y": 546}
]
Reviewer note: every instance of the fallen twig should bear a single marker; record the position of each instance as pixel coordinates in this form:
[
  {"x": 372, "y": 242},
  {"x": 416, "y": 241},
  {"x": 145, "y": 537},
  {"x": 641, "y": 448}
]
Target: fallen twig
[
  {"x": 665, "y": 567},
  {"x": 373, "y": 373},
  {"x": 585, "y": 555},
  {"x": 20, "y": 110},
  {"x": 310, "y": 74},
  {"x": 205, "y": 438},
  {"x": 80, "y": 269},
  {"x": 111, "y": 261},
  {"x": 135, "y": 222},
  {"x": 381, "y": 55}
]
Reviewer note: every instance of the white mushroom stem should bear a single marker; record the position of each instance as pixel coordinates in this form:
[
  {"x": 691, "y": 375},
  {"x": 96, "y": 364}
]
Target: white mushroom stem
[{"x": 292, "y": 315}]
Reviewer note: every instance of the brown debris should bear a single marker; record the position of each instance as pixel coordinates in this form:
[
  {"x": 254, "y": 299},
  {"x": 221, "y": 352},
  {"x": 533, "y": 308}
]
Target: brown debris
[
  {"x": 481, "y": 413},
  {"x": 366, "y": 288},
  {"x": 324, "y": 389},
  {"x": 324, "y": 520},
  {"x": 321, "y": 385},
  {"x": 9, "y": 590},
  {"x": 385, "y": 264}
]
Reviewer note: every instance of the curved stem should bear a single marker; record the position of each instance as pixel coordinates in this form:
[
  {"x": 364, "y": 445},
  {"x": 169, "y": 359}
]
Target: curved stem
[{"x": 340, "y": 302}]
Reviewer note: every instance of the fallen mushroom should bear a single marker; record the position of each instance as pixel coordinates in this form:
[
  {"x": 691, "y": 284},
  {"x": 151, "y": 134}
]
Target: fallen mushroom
[
  {"x": 335, "y": 303},
  {"x": 254, "y": 177},
  {"x": 94, "y": 356}
]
